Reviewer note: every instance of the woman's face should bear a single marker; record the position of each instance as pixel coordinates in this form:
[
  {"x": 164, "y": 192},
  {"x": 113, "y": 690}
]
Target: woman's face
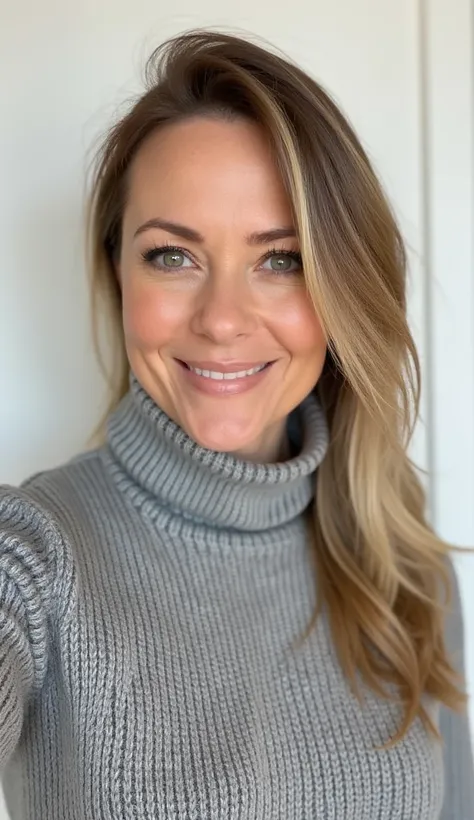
[{"x": 212, "y": 286}]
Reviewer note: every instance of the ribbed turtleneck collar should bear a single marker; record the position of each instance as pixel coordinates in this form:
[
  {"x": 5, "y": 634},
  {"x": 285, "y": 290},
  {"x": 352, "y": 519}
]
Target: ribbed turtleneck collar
[{"x": 157, "y": 458}]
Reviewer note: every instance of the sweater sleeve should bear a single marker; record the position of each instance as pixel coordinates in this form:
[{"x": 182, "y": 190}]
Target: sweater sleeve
[
  {"x": 458, "y": 759},
  {"x": 27, "y": 568}
]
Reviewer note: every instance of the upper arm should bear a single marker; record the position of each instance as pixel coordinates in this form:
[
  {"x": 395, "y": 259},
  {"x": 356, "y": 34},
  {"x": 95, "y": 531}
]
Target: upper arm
[{"x": 27, "y": 569}]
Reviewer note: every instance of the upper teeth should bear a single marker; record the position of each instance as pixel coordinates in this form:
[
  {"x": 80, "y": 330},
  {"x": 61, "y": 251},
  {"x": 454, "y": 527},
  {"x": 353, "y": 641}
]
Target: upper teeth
[{"x": 215, "y": 374}]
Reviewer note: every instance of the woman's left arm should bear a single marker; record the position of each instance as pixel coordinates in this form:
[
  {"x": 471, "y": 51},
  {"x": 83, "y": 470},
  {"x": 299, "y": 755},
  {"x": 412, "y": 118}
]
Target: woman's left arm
[{"x": 458, "y": 758}]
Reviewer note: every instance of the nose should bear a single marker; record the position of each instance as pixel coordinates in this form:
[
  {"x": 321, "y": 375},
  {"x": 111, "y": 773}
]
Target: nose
[{"x": 225, "y": 310}]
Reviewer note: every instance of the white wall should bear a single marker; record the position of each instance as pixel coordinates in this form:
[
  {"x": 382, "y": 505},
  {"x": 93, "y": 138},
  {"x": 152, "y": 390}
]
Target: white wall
[
  {"x": 402, "y": 71},
  {"x": 447, "y": 62}
]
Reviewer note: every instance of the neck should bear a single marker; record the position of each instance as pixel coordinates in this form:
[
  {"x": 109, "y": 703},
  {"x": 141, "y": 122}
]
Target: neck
[{"x": 154, "y": 457}]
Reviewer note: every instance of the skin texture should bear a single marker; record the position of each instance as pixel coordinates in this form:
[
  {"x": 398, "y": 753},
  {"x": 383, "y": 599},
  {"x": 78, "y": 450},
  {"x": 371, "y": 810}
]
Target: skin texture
[{"x": 225, "y": 303}]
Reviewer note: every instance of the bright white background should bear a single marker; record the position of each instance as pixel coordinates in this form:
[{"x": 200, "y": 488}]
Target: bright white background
[{"x": 403, "y": 72}]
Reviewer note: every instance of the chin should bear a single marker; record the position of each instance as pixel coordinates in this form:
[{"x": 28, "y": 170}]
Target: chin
[
  {"x": 225, "y": 438},
  {"x": 221, "y": 443}
]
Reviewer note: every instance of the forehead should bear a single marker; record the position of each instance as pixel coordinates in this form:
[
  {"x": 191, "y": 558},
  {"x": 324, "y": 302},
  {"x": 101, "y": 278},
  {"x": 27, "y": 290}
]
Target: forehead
[{"x": 207, "y": 167}]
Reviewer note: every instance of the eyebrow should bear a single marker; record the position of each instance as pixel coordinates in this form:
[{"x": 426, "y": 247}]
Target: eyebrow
[{"x": 256, "y": 238}]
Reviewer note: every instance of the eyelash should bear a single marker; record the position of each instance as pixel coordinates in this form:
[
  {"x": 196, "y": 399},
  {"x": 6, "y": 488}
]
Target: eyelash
[{"x": 148, "y": 256}]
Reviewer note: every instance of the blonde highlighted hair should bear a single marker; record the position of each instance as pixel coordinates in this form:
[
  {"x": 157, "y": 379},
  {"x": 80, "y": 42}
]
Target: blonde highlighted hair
[{"x": 382, "y": 574}]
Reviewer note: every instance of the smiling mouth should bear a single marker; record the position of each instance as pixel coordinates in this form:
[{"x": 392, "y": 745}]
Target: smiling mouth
[
  {"x": 224, "y": 378},
  {"x": 221, "y": 375}
]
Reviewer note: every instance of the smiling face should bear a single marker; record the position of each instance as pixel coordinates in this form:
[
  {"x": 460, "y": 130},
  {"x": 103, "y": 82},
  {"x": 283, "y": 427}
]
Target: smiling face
[{"x": 212, "y": 287}]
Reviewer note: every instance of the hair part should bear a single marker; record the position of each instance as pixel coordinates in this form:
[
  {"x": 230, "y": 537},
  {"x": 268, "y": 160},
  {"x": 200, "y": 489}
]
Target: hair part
[{"x": 382, "y": 574}]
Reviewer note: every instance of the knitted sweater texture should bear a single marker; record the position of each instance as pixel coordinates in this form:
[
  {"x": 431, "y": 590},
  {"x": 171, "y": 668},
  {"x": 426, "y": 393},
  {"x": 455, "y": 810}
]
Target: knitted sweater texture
[{"x": 152, "y": 594}]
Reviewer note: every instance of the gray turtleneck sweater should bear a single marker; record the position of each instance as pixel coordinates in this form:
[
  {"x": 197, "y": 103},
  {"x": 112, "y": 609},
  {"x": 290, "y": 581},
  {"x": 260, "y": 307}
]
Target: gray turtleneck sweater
[{"x": 151, "y": 593}]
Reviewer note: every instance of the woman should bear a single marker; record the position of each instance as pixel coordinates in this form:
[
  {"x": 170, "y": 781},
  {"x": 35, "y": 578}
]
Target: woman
[{"x": 234, "y": 607}]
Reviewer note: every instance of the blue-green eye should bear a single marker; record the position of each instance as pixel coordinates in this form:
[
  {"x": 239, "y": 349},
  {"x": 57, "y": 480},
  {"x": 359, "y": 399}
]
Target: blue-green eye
[
  {"x": 167, "y": 258},
  {"x": 173, "y": 259},
  {"x": 283, "y": 261}
]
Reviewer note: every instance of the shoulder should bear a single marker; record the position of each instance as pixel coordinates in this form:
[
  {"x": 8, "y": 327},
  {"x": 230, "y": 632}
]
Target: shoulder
[
  {"x": 455, "y": 637},
  {"x": 67, "y": 491},
  {"x": 65, "y": 476},
  {"x": 455, "y": 726}
]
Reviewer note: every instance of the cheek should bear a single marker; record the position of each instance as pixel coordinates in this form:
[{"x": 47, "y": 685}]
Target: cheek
[
  {"x": 151, "y": 317},
  {"x": 300, "y": 329}
]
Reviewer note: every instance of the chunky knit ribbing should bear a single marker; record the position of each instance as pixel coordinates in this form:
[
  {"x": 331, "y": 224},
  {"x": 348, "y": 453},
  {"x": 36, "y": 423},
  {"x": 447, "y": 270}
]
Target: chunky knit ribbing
[{"x": 151, "y": 596}]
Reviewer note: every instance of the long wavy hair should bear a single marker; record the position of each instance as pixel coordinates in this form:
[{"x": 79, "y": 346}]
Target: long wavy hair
[{"x": 382, "y": 574}]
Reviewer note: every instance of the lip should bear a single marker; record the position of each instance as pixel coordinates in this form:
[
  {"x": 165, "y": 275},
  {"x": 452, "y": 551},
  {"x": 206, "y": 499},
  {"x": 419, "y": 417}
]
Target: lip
[
  {"x": 222, "y": 387},
  {"x": 222, "y": 367}
]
